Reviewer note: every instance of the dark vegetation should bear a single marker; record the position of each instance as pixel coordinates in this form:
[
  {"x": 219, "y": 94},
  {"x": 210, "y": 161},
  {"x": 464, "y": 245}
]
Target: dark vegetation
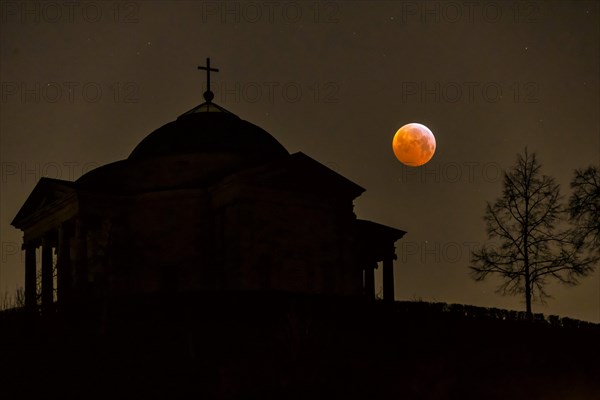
[
  {"x": 294, "y": 347},
  {"x": 530, "y": 244},
  {"x": 584, "y": 207}
]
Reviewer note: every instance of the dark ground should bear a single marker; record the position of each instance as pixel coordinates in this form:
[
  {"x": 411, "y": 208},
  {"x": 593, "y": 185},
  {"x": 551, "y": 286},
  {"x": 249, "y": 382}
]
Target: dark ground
[{"x": 275, "y": 346}]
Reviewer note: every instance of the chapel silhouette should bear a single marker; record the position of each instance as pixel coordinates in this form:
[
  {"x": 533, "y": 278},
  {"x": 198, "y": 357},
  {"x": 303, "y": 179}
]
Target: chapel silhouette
[
  {"x": 208, "y": 203},
  {"x": 213, "y": 264}
]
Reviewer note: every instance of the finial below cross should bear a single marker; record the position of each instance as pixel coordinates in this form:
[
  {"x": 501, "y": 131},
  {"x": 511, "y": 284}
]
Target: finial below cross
[{"x": 208, "y": 95}]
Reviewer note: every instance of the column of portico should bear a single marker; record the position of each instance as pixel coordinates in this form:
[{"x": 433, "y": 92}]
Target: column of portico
[
  {"x": 58, "y": 240},
  {"x": 30, "y": 277},
  {"x": 47, "y": 275},
  {"x": 63, "y": 263},
  {"x": 388, "y": 275},
  {"x": 370, "y": 280}
]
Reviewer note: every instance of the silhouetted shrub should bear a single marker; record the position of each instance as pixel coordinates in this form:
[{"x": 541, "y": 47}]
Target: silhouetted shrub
[
  {"x": 570, "y": 323},
  {"x": 539, "y": 318},
  {"x": 554, "y": 320}
]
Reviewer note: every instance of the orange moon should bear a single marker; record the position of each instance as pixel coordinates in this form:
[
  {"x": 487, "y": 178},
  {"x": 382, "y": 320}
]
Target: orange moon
[{"x": 413, "y": 144}]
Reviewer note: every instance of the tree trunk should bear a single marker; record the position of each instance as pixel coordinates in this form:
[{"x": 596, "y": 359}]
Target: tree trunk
[
  {"x": 528, "y": 294},
  {"x": 526, "y": 254}
]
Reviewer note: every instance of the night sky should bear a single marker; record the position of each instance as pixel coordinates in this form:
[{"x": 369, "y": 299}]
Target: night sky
[{"x": 82, "y": 84}]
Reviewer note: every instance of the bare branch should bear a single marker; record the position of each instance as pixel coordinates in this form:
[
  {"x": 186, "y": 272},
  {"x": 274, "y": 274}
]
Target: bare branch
[{"x": 524, "y": 220}]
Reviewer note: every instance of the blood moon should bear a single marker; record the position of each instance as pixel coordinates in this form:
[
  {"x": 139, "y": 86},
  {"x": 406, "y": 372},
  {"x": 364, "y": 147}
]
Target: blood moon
[{"x": 413, "y": 144}]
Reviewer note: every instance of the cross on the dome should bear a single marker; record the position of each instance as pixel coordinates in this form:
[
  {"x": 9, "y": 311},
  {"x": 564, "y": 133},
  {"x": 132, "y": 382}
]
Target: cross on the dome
[{"x": 208, "y": 95}]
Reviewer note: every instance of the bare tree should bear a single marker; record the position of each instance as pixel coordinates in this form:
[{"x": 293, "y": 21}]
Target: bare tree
[
  {"x": 17, "y": 300},
  {"x": 528, "y": 248},
  {"x": 584, "y": 208}
]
